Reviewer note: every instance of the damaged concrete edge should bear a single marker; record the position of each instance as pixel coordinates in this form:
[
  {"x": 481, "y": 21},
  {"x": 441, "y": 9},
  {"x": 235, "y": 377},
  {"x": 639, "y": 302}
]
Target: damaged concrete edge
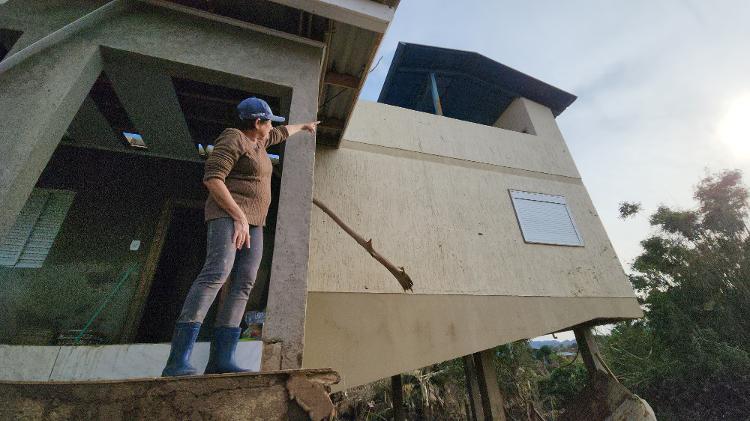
[
  {"x": 271, "y": 357},
  {"x": 311, "y": 392},
  {"x": 295, "y": 395}
]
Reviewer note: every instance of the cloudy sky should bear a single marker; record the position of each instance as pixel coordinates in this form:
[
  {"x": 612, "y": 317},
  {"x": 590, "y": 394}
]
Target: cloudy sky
[{"x": 663, "y": 86}]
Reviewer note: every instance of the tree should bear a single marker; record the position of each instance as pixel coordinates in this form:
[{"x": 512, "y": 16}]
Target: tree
[{"x": 693, "y": 279}]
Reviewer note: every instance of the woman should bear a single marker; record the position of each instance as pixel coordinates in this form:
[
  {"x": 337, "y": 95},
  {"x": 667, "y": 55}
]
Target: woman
[{"x": 238, "y": 178}]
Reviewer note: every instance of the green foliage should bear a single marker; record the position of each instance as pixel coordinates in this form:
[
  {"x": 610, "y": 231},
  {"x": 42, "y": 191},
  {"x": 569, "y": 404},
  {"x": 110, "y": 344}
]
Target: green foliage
[
  {"x": 517, "y": 372},
  {"x": 628, "y": 209},
  {"x": 563, "y": 384},
  {"x": 693, "y": 279}
]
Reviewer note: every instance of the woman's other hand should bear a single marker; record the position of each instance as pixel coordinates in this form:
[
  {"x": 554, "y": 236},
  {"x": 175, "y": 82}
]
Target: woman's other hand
[{"x": 241, "y": 236}]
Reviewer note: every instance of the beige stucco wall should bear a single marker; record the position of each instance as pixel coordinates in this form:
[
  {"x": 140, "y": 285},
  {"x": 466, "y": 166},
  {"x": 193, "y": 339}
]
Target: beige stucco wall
[{"x": 432, "y": 192}]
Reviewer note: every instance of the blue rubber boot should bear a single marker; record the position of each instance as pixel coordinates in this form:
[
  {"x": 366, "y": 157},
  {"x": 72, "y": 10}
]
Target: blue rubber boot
[
  {"x": 221, "y": 357},
  {"x": 183, "y": 340}
]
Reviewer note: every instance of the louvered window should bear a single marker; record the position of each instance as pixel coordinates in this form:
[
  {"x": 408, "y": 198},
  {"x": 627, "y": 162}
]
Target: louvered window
[
  {"x": 30, "y": 239},
  {"x": 545, "y": 219}
]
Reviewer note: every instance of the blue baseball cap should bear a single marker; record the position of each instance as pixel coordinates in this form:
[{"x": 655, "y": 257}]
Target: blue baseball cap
[{"x": 252, "y": 108}]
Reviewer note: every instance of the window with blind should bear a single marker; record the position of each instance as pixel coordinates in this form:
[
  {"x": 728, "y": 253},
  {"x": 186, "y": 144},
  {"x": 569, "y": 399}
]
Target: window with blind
[
  {"x": 30, "y": 239},
  {"x": 545, "y": 219}
]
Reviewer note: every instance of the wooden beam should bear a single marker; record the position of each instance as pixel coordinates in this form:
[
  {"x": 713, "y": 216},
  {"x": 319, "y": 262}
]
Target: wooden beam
[
  {"x": 198, "y": 117},
  {"x": 493, "y": 403},
  {"x": 143, "y": 288},
  {"x": 472, "y": 389},
  {"x": 370, "y": 58},
  {"x": 397, "y": 389},
  {"x": 203, "y": 97},
  {"x": 589, "y": 350},
  {"x": 364, "y": 14},
  {"x": 331, "y": 123},
  {"x": 324, "y": 66},
  {"x": 339, "y": 79},
  {"x": 437, "y": 105}
]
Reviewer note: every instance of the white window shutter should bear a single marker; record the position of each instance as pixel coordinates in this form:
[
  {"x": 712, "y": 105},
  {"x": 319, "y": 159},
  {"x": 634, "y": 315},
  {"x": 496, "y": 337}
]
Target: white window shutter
[
  {"x": 45, "y": 231},
  {"x": 12, "y": 245},
  {"x": 545, "y": 219}
]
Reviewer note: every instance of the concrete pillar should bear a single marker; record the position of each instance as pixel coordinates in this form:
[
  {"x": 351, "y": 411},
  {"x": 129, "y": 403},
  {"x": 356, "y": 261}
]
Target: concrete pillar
[
  {"x": 91, "y": 128},
  {"x": 516, "y": 117},
  {"x": 493, "y": 403},
  {"x": 152, "y": 105},
  {"x": 397, "y": 388},
  {"x": 287, "y": 289},
  {"x": 588, "y": 349},
  {"x": 472, "y": 388},
  {"x": 526, "y": 116},
  {"x": 38, "y": 99}
]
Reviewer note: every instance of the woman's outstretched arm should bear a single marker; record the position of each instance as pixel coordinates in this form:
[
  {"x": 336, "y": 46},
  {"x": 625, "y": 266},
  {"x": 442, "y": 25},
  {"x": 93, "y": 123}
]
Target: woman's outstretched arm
[
  {"x": 281, "y": 133},
  {"x": 308, "y": 127}
]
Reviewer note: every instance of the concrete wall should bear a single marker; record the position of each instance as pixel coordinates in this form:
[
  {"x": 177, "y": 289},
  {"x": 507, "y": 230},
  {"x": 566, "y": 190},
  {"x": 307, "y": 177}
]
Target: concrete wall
[
  {"x": 40, "y": 96},
  {"x": 432, "y": 192}
]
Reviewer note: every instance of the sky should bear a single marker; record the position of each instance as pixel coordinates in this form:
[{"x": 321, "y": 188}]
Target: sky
[{"x": 663, "y": 87}]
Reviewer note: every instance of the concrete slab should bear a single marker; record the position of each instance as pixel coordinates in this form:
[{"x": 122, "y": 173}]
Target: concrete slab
[
  {"x": 108, "y": 362},
  {"x": 279, "y": 395},
  {"x": 32, "y": 363}
]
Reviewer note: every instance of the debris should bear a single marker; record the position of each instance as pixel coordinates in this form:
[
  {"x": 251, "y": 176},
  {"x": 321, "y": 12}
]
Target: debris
[{"x": 311, "y": 396}]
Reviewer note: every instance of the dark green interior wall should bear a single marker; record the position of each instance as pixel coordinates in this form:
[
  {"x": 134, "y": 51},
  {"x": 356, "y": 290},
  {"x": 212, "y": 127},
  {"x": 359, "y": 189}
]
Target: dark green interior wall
[{"x": 118, "y": 199}]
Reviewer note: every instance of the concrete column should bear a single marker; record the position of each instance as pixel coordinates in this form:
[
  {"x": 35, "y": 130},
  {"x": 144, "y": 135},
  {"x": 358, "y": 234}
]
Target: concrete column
[
  {"x": 493, "y": 403},
  {"x": 152, "y": 105},
  {"x": 287, "y": 289},
  {"x": 38, "y": 99},
  {"x": 516, "y": 117},
  {"x": 397, "y": 389},
  {"x": 588, "y": 349},
  {"x": 472, "y": 388},
  {"x": 91, "y": 128},
  {"x": 526, "y": 116}
]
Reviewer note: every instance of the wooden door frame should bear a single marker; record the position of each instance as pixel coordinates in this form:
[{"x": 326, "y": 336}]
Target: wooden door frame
[{"x": 138, "y": 303}]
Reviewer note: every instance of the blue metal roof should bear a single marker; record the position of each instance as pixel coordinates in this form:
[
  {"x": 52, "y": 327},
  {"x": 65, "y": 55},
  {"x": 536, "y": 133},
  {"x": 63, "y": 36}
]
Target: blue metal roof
[{"x": 471, "y": 86}]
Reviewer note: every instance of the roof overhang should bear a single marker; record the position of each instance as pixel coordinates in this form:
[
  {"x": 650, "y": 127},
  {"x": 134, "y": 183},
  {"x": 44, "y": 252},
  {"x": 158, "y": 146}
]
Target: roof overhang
[
  {"x": 350, "y": 31},
  {"x": 471, "y": 86},
  {"x": 365, "y": 14}
]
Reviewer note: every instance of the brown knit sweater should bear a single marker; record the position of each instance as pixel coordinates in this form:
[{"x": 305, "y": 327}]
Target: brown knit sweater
[{"x": 246, "y": 169}]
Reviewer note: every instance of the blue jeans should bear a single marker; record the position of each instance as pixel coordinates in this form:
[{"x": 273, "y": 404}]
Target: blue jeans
[{"x": 223, "y": 261}]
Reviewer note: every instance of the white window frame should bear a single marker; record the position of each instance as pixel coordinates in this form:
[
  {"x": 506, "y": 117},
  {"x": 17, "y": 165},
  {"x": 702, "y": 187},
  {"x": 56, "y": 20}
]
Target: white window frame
[{"x": 516, "y": 195}]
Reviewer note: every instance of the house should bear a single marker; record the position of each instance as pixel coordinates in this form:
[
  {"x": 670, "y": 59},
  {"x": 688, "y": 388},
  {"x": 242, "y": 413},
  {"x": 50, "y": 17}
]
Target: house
[{"x": 459, "y": 174}]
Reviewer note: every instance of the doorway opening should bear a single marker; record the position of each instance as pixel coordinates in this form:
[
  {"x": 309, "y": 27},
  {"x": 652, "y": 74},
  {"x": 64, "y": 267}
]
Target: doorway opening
[{"x": 181, "y": 260}]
